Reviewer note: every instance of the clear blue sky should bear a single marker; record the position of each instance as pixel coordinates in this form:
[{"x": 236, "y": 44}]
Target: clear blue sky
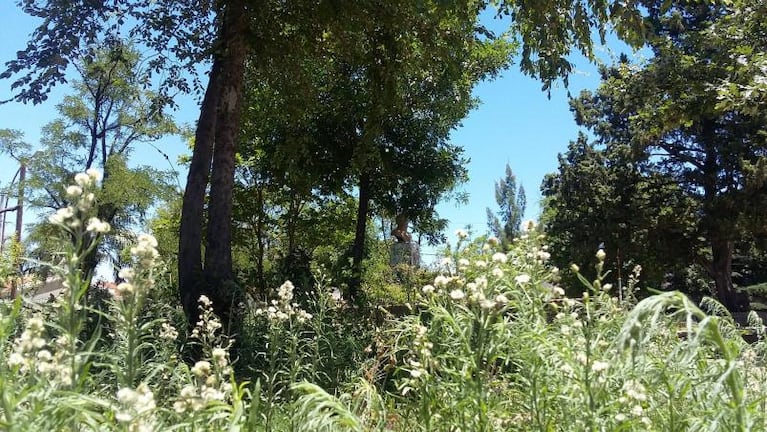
[{"x": 516, "y": 123}]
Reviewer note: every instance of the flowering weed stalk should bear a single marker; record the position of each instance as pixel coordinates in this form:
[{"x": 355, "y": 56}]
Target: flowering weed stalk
[{"x": 134, "y": 336}]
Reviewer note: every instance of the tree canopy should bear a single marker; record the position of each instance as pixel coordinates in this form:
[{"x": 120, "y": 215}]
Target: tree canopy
[
  {"x": 185, "y": 37},
  {"x": 665, "y": 120}
]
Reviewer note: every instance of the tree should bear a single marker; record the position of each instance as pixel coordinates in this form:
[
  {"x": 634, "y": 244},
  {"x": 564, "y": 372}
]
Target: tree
[
  {"x": 600, "y": 198},
  {"x": 100, "y": 125},
  {"x": 668, "y": 114},
  {"x": 505, "y": 225},
  {"x": 185, "y": 35}
]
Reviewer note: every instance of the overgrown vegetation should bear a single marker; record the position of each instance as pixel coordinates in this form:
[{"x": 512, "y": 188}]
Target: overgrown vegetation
[{"x": 492, "y": 343}]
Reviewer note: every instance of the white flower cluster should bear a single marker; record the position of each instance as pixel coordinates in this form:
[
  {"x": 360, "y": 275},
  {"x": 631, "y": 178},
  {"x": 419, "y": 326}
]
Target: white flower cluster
[
  {"x": 136, "y": 408},
  {"x": 475, "y": 292},
  {"x": 145, "y": 251},
  {"x": 283, "y": 308},
  {"x": 31, "y": 354},
  {"x": 634, "y": 393},
  {"x": 210, "y": 383},
  {"x": 82, "y": 201},
  {"x": 422, "y": 349},
  {"x": 168, "y": 332},
  {"x": 208, "y": 325},
  {"x": 210, "y": 376},
  {"x": 26, "y": 346}
]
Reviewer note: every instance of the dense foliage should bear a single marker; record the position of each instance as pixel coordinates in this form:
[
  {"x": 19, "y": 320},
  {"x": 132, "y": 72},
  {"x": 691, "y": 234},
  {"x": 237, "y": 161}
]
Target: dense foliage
[
  {"x": 673, "y": 179},
  {"x": 491, "y": 343}
]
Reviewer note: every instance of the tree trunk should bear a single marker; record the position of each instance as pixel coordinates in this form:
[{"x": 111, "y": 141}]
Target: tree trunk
[
  {"x": 190, "y": 230},
  {"x": 261, "y": 249},
  {"x": 721, "y": 272},
  {"x": 358, "y": 250},
  {"x": 218, "y": 254}
]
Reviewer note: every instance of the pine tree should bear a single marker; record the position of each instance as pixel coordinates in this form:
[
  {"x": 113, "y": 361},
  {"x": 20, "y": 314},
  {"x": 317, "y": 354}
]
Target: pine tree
[{"x": 505, "y": 224}]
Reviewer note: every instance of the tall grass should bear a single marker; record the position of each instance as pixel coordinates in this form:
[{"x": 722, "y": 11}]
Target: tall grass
[{"x": 492, "y": 344}]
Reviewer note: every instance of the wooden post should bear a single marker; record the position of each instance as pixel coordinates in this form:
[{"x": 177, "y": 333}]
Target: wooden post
[{"x": 19, "y": 227}]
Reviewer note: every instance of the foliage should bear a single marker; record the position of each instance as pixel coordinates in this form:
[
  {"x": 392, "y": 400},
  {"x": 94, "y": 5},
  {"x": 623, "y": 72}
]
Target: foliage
[
  {"x": 101, "y": 124},
  {"x": 601, "y": 198},
  {"x": 511, "y": 202},
  {"x": 493, "y": 345},
  {"x": 663, "y": 121},
  {"x": 226, "y": 33}
]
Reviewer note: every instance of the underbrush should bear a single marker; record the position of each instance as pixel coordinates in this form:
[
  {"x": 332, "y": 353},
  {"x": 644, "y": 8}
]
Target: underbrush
[{"x": 491, "y": 343}]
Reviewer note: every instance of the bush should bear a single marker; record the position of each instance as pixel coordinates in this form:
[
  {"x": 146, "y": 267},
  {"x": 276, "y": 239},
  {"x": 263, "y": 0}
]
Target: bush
[{"x": 492, "y": 344}]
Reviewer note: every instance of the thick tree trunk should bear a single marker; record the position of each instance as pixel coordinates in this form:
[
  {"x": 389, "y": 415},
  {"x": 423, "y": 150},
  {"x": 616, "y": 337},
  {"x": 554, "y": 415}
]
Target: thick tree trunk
[
  {"x": 721, "y": 271},
  {"x": 192, "y": 219},
  {"x": 218, "y": 254},
  {"x": 358, "y": 250}
]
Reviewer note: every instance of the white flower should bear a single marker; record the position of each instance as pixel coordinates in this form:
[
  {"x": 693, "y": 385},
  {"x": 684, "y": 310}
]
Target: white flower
[
  {"x": 457, "y": 294},
  {"x": 575, "y": 268},
  {"x": 15, "y": 359},
  {"x": 498, "y": 273},
  {"x": 97, "y": 226},
  {"x": 441, "y": 281},
  {"x": 500, "y": 257},
  {"x": 447, "y": 262},
  {"x": 205, "y": 301},
  {"x": 487, "y": 304},
  {"x": 168, "y": 332},
  {"x": 201, "y": 368},
  {"x": 599, "y": 366},
  {"x": 522, "y": 279},
  {"x": 211, "y": 394},
  {"x": 219, "y": 355},
  {"x": 461, "y": 234},
  {"x": 285, "y": 291},
  {"x": 635, "y": 390},
  {"x": 501, "y": 299},
  {"x": 428, "y": 289},
  {"x": 481, "y": 263},
  {"x": 74, "y": 191},
  {"x": 61, "y": 215},
  {"x": 544, "y": 256},
  {"x": 125, "y": 288},
  {"x": 601, "y": 254},
  {"x": 463, "y": 262},
  {"x": 83, "y": 180},
  {"x": 94, "y": 174},
  {"x": 126, "y": 273}
]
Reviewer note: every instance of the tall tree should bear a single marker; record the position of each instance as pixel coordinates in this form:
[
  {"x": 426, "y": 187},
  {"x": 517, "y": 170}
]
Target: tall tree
[
  {"x": 186, "y": 35},
  {"x": 107, "y": 117},
  {"x": 668, "y": 112},
  {"x": 601, "y": 198},
  {"x": 505, "y": 224}
]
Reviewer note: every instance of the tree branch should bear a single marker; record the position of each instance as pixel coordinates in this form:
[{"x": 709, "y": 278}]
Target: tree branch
[{"x": 9, "y": 209}]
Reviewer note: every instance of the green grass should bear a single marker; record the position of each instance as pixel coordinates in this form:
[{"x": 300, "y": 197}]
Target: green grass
[{"x": 492, "y": 344}]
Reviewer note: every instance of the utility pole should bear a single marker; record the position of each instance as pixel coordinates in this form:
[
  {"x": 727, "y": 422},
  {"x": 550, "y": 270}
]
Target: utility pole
[
  {"x": 4, "y": 204},
  {"x": 19, "y": 209},
  {"x": 19, "y": 228}
]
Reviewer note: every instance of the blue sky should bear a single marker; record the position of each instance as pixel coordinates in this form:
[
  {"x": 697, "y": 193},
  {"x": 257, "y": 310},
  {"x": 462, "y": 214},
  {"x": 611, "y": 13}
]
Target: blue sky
[{"x": 516, "y": 123}]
